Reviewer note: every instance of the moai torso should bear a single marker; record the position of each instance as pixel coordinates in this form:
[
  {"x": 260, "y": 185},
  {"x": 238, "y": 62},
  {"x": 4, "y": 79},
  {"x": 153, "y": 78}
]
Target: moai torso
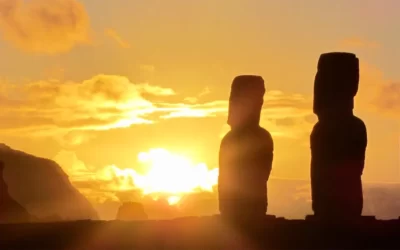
[
  {"x": 338, "y": 141},
  {"x": 245, "y": 159},
  {"x": 338, "y": 153}
]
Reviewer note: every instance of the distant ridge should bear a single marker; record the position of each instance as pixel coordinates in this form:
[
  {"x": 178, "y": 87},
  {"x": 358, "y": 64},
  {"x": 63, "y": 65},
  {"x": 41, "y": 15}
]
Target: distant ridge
[{"x": 42, "y": 187}]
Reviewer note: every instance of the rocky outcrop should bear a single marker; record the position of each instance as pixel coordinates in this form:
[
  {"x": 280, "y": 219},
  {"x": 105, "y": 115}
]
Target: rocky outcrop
[
  {"x": 41, "y": 186},
  {"x": 131, "y": 211},
  {"x": 10, "y": 210}
]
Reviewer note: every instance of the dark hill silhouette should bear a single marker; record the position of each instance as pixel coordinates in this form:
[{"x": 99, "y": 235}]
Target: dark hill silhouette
[
  {"x": 42, "y": 188},
  {"x": 10, "y": 210}
]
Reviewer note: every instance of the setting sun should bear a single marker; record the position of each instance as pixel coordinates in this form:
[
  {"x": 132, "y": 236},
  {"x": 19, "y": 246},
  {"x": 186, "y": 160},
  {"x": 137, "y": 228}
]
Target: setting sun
[{"x": 166, "y": 174}]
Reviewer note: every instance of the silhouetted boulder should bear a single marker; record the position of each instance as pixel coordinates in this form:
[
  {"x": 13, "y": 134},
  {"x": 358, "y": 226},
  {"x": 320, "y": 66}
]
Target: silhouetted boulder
[
  {"x": 41, "y": 186},
  {"x": 10, "y": 210},
  {"x": 246, "y": 153},
  {"x": 338, "y": 140},
  {"x": 107, "y": 210},
  {"x": 131, "y": 211},
  {"x": 160, "y": 209}
]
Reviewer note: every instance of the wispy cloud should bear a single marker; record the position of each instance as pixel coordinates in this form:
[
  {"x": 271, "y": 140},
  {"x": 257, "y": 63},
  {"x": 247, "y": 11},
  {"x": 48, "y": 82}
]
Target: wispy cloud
[
  {"x": 43, "y": 26},
  {"x": 194, "y": 99},
  {"x": 147, "y": 68},
  {"x": 117, "y": 38},
  {"x": 388, "y": 98},
  {"x": 356, "y": 42},
  {"x": 378, "y": 94},
  {"x": 283, "y": 114},
  {"x": 69, "y": 111},
  {"x": 101, "y": 103}
]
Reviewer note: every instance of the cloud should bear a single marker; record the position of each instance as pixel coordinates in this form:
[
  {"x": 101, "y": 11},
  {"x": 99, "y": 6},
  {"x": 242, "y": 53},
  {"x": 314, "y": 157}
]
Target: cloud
[
  {"x": 195, "y": 99},
  {"x": 147, "y": 68},
  {"x": 205, "y": 91},
  {"x": 155, "y": 90},
  {"x": 191, "y": 99},
  {"x": 96, "y": 184},
  {"x": 288, "y": 115},
  {"x": 73, "y": 138},
  {"x": 358, "y": 43},
  {"x": 74, "y": 168},
  {"x": 71, "y": 111},
  {"x": 48, "y": 108},
  {"x": 200, "y": 110},
  {"x": 117, "y": 38},
  {"x": 388, "y": 98},
  {"x": 43, "y": 26},
  {"x": 277, "y": 105},
  {"x": 285, "y": 122},
  {"x": 278, "y": 108},
  {"x": 378, "y": 94}
]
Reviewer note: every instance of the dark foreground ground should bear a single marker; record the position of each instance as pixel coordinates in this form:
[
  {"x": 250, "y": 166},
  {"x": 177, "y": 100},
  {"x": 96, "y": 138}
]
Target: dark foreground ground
[{"x": 202, "y": 233}]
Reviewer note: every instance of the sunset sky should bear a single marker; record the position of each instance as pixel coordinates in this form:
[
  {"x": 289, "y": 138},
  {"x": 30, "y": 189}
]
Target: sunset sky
[{"x": 93, "y": 83}]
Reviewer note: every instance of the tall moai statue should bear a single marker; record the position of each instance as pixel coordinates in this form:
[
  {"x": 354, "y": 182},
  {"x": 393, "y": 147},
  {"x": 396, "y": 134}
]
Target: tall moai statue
[
  {"x": 246, "y": 153},
  {"x": 338, "y": 140}
]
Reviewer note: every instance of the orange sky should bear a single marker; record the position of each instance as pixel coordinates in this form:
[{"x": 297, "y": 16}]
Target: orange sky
[{"x": 93, "y": 83}]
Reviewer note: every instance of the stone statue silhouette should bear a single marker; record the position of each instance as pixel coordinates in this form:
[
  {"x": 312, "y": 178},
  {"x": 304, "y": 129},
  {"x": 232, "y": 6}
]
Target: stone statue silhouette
[
  {"x": 338, "y": 140},
  {"x": 246, "y": 153},
  {"x": 10, "y": 210}
]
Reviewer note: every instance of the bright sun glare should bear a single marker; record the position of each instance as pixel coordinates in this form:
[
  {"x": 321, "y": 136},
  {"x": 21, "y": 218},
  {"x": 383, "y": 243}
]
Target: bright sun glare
[{"x": 165, "y": 173}]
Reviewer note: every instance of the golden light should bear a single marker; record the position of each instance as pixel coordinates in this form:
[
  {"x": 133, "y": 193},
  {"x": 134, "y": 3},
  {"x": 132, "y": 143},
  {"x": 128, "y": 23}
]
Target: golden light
[
  {"x": 172, "y": 200},
  {"x": 165, "y": 173}
]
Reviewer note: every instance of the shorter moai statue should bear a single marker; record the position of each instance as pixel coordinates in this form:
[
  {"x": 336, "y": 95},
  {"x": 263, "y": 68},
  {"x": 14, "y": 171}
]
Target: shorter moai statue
[
  {"x": 10, "y": 210},
  {"x": 246, "y": 153},
  {"x": 338, "y": 140}
]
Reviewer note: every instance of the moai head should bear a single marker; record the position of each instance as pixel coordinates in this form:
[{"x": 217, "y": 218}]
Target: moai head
[
  {"x": 336, "y": 83},
  {"x": 246, "y": 100}
]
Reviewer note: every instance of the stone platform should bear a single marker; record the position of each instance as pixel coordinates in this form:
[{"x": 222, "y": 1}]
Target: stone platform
[{"x": 204, "y": 233}]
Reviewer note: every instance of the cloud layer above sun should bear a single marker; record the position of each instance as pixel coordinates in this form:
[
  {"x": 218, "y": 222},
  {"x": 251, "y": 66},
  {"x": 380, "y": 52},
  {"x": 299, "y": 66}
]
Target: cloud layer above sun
[{"x": 105, "y": 102}]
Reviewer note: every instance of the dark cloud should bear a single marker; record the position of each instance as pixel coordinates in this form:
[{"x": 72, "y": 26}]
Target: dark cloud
[
  {"x": 388, "y": 98},
  {"x": 43, "y": 26}
]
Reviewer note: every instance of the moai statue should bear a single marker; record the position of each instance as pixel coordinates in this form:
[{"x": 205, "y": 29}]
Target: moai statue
[
  {"x": 246, "y": 153},
  {"x": 338, "y": 140}
]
